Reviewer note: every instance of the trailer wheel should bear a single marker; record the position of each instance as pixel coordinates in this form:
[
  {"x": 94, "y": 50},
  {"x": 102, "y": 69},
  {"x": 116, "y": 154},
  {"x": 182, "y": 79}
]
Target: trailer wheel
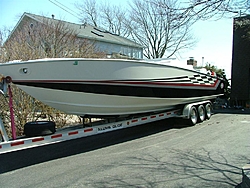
[
  {"x": 208, "y": 110},
  {"x": 193, "y": 116},
  {"x": 39, "y": 128},
  {"x": 201, "y": 113}
]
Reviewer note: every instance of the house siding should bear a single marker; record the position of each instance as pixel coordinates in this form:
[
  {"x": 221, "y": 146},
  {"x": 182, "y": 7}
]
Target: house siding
[{"x": 103, "y": 40}]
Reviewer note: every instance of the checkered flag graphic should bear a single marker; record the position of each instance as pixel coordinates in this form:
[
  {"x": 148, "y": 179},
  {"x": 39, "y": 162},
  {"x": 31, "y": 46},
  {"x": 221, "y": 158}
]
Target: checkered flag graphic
[{"x": 202, "y": 79}]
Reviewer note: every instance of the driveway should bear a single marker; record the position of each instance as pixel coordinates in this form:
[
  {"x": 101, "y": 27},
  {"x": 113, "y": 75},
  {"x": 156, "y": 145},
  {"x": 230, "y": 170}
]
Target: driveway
[{"x": 161, "y": 154}]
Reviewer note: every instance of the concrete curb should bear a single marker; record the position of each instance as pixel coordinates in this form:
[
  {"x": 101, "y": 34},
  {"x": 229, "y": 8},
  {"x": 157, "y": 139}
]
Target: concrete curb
[
  {"x": 246, "y": 176},
  {"x": 232, "y": 111}
]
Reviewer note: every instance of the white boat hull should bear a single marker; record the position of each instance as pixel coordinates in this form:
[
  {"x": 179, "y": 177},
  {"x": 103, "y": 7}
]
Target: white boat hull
[
  {"x": 99, "y": 104},
  {"x": 110, "y": 87}
]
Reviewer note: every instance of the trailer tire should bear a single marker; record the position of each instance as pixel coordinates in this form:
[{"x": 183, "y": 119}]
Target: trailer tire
[
  {"x": 39, "y": 128},
  {"x": 208, "y": 108},
  {"x": 193, "y": 116},
  {"x": 201, "y": 113}
]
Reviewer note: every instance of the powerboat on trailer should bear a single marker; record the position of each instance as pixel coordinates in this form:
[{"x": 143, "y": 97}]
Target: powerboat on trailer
[{"x": 107, "y": 87}]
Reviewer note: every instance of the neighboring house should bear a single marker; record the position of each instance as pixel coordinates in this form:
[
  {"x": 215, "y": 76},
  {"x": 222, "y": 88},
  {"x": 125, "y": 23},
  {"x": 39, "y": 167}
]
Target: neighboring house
[
  {"x": 240, "y": 94},
  {"x": 104, "y": 41}
]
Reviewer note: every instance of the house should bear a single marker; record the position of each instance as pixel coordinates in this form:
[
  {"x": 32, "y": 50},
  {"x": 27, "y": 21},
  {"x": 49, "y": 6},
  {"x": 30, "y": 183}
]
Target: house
[
  {"x": 240, "y": 92},
  {"x": 105, "y": 41}
]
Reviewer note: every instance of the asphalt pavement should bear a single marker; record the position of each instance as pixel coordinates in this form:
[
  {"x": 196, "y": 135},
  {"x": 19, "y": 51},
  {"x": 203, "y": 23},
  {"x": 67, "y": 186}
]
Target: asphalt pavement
[{"x": 161, "y": 154}]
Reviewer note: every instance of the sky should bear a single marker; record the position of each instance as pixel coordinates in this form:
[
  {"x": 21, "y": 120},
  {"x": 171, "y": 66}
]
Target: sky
[{"x": 214, "y": 37}]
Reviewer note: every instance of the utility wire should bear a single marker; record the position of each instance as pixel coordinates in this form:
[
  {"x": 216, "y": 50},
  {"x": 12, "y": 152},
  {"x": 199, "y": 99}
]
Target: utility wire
[
  {"x": 63, "y": 7},
  {"x": 66, "y": 7}
]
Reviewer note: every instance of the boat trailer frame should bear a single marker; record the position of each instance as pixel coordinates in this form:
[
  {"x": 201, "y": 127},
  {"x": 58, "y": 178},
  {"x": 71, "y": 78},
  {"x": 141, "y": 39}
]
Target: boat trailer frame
[{"x": 3, "y": 91}]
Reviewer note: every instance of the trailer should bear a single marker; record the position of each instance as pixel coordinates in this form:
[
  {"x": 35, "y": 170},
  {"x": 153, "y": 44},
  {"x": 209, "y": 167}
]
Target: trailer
[{"x": 192, "y": 113}]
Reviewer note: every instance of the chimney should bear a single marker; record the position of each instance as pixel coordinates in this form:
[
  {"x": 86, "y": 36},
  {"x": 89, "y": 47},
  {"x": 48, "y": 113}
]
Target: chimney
[{"x": 191, "y": 61}]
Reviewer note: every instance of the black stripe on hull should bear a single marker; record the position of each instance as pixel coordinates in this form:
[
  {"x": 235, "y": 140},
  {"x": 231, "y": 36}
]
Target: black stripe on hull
[{"x": 125, "y": 90}]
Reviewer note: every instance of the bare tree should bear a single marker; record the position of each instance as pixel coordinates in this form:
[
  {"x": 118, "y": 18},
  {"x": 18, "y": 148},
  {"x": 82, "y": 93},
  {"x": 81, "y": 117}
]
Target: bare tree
[
  {"x": 1, "y": 45},
  {"x": 210, "y": 8},
  {"x": 89, "y": 11},
  {"x": 110, "y": 17},
  {"x": 206, "y": 9},
  {"x": 1, "y": 38},
  {"x": 114, "y": 19},
  {"x": 162, "y": 31},
  {"x": 4, "y": 33}
]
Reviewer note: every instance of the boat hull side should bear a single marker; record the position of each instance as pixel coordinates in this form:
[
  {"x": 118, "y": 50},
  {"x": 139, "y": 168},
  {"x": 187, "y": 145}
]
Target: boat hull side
[{"x": 80, "y": 103}]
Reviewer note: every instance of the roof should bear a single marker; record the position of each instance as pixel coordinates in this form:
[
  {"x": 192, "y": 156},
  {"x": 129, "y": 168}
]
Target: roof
[
  {"x": 242, "y": 17},
  {"x": 86, "y": 31}
]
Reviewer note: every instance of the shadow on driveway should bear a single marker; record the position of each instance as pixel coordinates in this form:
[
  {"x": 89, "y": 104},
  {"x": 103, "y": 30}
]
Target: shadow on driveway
[
  {"x": 23, "y": 158},
  {"x": 184, "y": 169}
]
